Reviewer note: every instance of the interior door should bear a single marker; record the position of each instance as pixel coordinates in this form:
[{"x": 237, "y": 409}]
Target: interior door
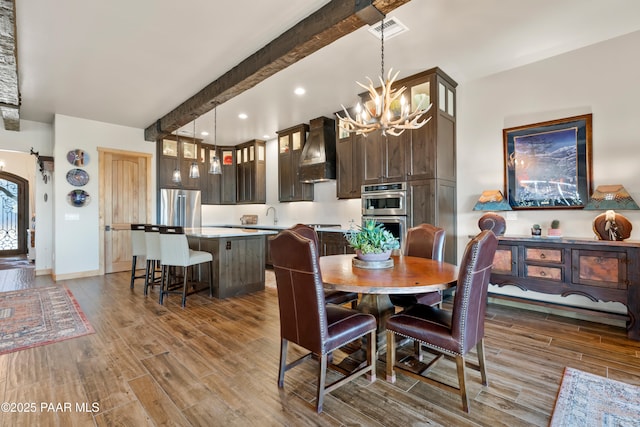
[{"x": 125, "y": 200}]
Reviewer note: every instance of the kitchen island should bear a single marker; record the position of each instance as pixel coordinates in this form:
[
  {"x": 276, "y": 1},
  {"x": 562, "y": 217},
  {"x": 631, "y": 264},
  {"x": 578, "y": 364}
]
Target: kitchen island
[{"x": 238, "y": 258}]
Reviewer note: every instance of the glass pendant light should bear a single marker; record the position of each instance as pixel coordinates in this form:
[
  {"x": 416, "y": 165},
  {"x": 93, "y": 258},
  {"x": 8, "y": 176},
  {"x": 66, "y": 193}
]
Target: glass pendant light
[
  {"x": 194, "y": 170},
  {"x": 215, "y": 168},
  {"x": 177, "y": 176}
]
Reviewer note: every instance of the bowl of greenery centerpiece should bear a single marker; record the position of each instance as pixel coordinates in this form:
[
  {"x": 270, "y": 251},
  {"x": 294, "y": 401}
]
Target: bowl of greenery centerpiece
[{"x": 372, "y": 242}]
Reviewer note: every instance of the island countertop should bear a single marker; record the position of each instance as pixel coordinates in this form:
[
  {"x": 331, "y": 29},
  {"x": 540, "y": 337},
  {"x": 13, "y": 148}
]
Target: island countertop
[{"x": 221, "y": 232}]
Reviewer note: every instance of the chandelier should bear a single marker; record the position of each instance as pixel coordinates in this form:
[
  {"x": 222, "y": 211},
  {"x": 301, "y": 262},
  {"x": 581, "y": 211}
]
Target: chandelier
[{"x": 388, "y": 110}]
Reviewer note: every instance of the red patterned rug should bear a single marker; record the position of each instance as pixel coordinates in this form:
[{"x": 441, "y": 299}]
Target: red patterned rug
[
  {"x": 39, "y": 316},
  {"x": 590, "y": 400}
]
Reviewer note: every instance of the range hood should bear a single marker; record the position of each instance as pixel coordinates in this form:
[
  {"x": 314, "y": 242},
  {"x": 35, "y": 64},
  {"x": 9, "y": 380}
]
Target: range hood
[{"x": 318, "y": 158}]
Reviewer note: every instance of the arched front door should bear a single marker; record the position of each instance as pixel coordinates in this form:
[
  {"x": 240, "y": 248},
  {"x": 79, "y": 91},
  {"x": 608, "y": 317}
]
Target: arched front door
[{"x": 14, "y": 214}]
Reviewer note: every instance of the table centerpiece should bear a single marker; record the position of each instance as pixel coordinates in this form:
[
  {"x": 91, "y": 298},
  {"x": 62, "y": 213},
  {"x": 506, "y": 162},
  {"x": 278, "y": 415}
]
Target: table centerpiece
[{"x": 373, "y": 245}]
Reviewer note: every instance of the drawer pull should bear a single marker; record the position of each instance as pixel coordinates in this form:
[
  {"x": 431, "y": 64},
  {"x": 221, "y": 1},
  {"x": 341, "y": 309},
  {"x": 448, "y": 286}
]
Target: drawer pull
[
  {"x": 542, "y": 273},
  {"x": 542, "y": 256}
]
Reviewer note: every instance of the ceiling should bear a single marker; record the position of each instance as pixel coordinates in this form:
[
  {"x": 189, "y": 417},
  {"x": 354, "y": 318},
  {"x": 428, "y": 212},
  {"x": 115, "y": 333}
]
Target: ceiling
[{"x": 131, "y": 62}]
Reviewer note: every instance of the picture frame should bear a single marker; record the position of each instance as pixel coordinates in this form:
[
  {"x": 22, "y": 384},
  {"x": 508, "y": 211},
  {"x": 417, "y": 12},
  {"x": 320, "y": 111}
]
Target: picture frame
[{"x": 548, "y": 165}]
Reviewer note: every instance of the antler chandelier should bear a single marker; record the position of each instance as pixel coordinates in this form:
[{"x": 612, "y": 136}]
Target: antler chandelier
[{"x": 388, "y": 110}]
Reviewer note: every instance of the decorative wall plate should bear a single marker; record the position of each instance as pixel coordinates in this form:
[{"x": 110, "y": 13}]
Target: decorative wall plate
[
  {"x": 77, "y": 177},
  {"x": 78, "y": 157},
  {"x": 78, "y": 198}
]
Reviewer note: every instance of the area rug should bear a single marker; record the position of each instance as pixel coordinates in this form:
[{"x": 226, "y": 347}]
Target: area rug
[
  {"x": 590, "y": 400},
  {"x": 39, "y": 316}
]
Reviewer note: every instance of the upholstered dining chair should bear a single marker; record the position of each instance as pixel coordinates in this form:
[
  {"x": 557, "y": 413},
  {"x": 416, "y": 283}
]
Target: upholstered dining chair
[
  {"x": 330, "y": 297},
  {"x": 152, "y": 246},
  {"x": 138, "y": 249},
  {"x": 425, "y": 241},
  {"x": 305, "y": 318},
  {"x": 175, "y": 252},
  {"x": 450, "y": 333}
]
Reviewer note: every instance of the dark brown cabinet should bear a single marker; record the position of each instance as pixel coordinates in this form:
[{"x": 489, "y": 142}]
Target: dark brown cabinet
[
  {"x": 333, "y": 243},
  {"x": 218, "y": 189},
  {"x": 250, "y": 172},
  {"x": 178, "y": 154},
  {"x": 597, "y": 269},
  {"x": 290, "y": 144},
  {"x": 425, "y": 153},
  {"x": 349, "y": 175}
]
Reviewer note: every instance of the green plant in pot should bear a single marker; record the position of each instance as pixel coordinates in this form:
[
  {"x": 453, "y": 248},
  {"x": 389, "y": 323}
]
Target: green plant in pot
[
  {"x": 555, "y": 230},
  {"x": 372, "y": 239},
  {"x": 536, "y": 231}
]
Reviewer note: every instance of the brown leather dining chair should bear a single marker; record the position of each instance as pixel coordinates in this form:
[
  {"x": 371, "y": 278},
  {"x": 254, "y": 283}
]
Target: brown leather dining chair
[
  {"x": 450, "y": 333},
  {"x": 307, "y": 321},
  {"x": 330, "y": 297},
  {"x": 425, "y": 241}
]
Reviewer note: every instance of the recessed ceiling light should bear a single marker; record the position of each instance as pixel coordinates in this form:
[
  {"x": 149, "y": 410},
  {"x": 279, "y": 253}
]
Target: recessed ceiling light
[
  {"x": 266, "y": 136},
  {"x": 300, "y": 91},
  {"x": 204, "y": 133},
  {"x": 243, "y": 116}
]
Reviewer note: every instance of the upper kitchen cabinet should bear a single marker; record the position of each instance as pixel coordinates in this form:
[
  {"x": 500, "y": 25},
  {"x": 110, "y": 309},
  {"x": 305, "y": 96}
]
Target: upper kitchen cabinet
[
  {"x": 349, "y": 171},
  {"x": 290, "y": 144},
  {"x": 250, "y": 172},
  {"x": 218, "y": 189},
  {"x": 425, "y": 153},
  {"x": 178, "y": 154}
]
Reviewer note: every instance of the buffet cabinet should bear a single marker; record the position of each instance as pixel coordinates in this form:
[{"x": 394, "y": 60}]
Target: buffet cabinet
[{"x": 596, "y": 269}]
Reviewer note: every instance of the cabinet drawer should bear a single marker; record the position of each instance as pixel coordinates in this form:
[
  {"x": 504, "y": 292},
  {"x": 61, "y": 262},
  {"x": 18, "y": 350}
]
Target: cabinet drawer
[
  {"x": 547, "y": 273},
  {"x": 543, "y": 254},
  {"x": 601, "y": 269},
  {"x": 504, "y": 261}
]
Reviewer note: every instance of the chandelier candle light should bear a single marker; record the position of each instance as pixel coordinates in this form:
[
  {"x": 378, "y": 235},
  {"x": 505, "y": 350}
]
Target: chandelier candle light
[{"x": 388, "y": 110}]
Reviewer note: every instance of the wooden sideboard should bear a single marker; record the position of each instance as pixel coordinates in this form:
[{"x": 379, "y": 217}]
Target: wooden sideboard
[{"x": 597, "y": 269}]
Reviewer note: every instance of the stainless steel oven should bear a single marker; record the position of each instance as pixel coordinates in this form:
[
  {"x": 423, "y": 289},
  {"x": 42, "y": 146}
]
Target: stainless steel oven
[
  {"x": 388, "y": 205},
  {"x": 384, "y": 199}
]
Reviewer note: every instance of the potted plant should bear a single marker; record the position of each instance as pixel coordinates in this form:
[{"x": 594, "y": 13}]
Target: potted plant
[
  {"x": 555, "y": 230},
  {"x": 372, "y": 241},
  {"x": 536, "y": 231}
]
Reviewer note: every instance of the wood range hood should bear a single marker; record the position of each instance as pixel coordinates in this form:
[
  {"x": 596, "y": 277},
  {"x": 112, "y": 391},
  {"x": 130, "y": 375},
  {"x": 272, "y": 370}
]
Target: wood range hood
[{"x": 318, "y": 158}]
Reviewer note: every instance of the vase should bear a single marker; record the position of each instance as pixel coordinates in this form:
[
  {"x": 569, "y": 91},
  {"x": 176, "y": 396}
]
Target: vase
[{"x": 373, "y": 257}]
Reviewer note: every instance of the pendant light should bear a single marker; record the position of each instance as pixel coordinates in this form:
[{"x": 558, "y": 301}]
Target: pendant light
[
  {"x": 176, "y": 177},
  {"x": 194, "y": 170},
  {"x": 387, "y": 111},
  {"x": 215, "y": 168}
]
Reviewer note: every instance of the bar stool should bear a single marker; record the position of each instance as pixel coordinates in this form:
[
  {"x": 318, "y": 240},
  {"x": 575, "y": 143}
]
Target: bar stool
[
  {"x": 175, "y": 252},
  {"x": 138, "y": 249},
  {"x": 152, "y": 241}
]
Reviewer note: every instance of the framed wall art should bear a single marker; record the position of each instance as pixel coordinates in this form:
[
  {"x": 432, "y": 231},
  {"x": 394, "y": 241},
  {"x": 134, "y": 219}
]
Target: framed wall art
[{"x": 548, "y": 164}]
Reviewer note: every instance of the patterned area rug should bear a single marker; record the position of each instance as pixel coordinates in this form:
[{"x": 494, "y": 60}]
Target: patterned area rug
[
  {"x": 590, "y": 400},
  {"x": 39, "y": 316}
]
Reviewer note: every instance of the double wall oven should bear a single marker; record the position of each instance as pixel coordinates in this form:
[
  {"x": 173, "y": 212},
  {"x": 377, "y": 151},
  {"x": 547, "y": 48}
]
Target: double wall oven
[{"x": 388, "y": 204}]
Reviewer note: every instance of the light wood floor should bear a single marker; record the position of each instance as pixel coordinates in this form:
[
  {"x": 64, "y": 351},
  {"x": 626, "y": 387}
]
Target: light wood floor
[{"x": 215, "y": 363}]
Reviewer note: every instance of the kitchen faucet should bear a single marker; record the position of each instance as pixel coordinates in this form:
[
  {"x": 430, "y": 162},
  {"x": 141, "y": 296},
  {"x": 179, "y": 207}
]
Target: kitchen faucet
[{"x": 275, "y": 215}]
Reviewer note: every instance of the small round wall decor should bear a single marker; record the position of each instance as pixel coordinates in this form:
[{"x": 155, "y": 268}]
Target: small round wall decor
[
  {"x": 78, "y": 157},
  {"x": 78, "y": 198},
  {"x": 77, "y": 177}
]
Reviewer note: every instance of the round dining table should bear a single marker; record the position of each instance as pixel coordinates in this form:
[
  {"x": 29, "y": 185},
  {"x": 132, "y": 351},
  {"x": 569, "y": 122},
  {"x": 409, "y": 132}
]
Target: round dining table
[{"x": 408, "y": 275}]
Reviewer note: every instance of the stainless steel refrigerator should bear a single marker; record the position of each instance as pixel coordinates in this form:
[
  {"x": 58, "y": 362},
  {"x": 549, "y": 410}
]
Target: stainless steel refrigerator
[{"x": 180, "y": 207}]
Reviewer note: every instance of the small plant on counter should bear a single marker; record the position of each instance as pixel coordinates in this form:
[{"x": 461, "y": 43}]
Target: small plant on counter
[
  {"x": 536, "y": 231},
  {"x": 555, "y": 230},
  {"x": 371, "y": 238}
]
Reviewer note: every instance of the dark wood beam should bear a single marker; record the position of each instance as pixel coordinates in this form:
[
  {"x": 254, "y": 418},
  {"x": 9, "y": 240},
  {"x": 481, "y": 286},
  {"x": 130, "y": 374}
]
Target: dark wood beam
[
  {"x": 9, "y": 91},
  {"x": 326, "y": 25}
]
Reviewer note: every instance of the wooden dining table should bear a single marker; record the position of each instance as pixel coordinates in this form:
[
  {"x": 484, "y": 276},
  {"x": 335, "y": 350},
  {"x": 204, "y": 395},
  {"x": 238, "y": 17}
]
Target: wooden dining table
[{"x": 409, "y": 275}]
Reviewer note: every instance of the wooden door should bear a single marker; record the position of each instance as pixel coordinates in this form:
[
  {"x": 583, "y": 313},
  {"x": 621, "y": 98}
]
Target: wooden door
[{"x": 125, "y": 196}]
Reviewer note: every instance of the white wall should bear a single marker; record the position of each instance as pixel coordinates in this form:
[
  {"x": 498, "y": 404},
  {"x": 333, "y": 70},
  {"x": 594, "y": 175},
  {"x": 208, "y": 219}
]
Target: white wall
[
  {"x": 77, "y": 232},
  {"x": 600, "y": 79},
  {"x": 18, "y": 161},
  {"x": 325, "y": 209}
]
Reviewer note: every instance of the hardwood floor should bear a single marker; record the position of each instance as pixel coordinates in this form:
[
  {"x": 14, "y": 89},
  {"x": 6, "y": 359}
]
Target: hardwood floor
[{"x": 215, "y": 363}]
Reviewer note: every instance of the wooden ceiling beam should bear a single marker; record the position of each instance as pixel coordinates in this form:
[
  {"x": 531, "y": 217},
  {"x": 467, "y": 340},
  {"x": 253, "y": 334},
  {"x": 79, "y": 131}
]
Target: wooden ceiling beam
[
  {"x": 326, "y": 25},
  {"x": 9, "y": 90}
]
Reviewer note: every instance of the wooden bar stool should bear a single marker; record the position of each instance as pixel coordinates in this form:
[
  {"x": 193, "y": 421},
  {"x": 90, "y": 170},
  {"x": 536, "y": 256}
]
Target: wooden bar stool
[
  {"x": 138, "y": 249},
  {"x": 175, "y": 252},
  {"x": 152, "y": 241}
]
